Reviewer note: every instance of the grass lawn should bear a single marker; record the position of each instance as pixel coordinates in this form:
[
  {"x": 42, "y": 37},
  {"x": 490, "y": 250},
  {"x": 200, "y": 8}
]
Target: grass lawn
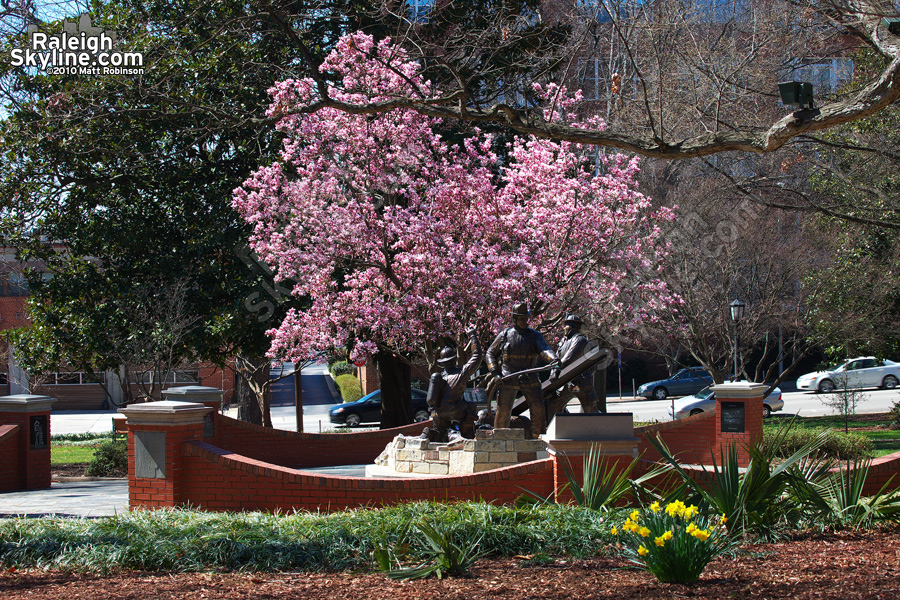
[
  {"x": 67, "y": 455},
  {"x": 75, "y": 448}
]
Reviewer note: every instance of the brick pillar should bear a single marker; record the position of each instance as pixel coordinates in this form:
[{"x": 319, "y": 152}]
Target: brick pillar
[
  {"x": 157, "y": 432},
  {"x": 739, "y": 416},
  {"x": 207, "y": 396},
  {"x": 368, "y": 377},
  {"x": 570, "y": 438},
  {"x": 32, "y": 439}
]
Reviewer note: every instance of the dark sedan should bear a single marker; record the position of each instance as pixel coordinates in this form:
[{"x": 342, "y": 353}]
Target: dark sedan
[{"x": 368, "y": 410}]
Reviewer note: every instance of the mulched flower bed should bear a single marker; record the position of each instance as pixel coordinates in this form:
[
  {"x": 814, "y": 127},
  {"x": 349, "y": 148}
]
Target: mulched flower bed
[{"x": 843, "y": 565}]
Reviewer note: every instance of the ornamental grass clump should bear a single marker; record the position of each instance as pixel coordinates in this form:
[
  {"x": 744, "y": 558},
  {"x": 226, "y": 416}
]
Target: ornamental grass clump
[{"x": 675, "y": 543}]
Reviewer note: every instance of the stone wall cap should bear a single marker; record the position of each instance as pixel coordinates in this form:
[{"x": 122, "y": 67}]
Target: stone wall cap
[
  {"x": 26, "y": 403},
  {"x": 165, "y": 412},
  {"x": 739, "y": 389},
  {"x": 194, "y": 391}
]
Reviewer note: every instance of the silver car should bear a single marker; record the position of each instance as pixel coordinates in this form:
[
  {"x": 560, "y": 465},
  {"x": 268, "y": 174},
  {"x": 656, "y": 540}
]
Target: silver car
[{"x": 705, "y": 401}]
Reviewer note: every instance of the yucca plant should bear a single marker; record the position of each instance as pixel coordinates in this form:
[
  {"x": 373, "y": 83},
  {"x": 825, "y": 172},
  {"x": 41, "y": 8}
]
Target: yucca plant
[
  {"x": 836, "y": 498},
  {"x": 753, "y": 499},
  {"x": 603, "y": 484}
]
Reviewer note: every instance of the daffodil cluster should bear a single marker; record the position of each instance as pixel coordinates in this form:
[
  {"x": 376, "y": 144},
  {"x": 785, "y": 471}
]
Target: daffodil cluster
[{"x": 674, "y": 543}]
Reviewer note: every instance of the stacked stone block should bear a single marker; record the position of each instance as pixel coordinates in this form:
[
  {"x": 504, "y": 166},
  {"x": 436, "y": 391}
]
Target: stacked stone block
[{"x": 489, "y": 450}]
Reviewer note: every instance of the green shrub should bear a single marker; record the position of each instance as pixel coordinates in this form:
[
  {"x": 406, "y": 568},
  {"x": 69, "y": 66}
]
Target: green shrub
[
  {"x": 349, "y": 387},
  {"x": 110, "y": 460},
  {"x": 842, "y": 446},
  {"x": 342, "y": 367},
  {"x": 895, "y": 415}
]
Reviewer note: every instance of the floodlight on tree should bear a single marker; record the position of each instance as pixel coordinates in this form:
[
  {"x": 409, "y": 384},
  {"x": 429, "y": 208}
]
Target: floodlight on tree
[
  {"x": 892, "y": 24},
  {"x": 796, "y": 92}
]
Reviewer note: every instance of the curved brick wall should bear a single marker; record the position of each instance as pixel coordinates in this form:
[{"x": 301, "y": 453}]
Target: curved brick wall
[
  {"x": 217, "y": 479},
  {"x": 304, "y": 450}
]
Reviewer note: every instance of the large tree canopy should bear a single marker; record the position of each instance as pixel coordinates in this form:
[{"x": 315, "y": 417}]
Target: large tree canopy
[{"x": 401, "y": 238}]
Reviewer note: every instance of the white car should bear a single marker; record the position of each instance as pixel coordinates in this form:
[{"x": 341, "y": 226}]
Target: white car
[
  {"x": 861, "y": 372},
  {"x": 705, "y": 401}
]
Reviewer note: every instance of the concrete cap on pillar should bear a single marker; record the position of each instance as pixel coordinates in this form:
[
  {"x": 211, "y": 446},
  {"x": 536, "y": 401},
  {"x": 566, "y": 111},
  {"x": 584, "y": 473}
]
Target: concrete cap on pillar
[
  {"x": 26, "y": 403},
  {"x": 739, "y": 389},
  {"x": 193, "y": 393},
  {"x": 165, "y": 412}
]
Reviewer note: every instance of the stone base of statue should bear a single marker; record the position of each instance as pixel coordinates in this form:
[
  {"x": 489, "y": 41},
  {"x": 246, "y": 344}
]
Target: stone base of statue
[
  {"x": 491, "y": 449},
  {"x": 575, "y": 434}
]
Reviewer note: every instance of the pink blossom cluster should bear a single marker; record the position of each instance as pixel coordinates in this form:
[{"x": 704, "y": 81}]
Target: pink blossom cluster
[{"x": 398, "y": 237}]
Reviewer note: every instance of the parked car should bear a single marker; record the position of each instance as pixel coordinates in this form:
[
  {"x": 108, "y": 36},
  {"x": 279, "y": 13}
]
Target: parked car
[
  {"x": 368, "y": 409},
  {"x": 682, "y": 383},
  {"x": 705, "y": 401},
  {"x": 861, "y": 372}
]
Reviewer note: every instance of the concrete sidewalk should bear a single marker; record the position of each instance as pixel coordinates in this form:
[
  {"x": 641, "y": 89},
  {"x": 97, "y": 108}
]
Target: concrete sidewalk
[{"x": 89, "y": 499}]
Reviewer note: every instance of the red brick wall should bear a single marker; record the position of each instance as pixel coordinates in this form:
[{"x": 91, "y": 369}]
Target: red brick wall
[
  {"x": 884, "y": 470},
  {"x": 33, "y": 466},
  {"x": 217, "y": 479},
  {"x": 299, "y": 450},
  {"x": 11, "y": 474},
  {"x": 162, "y": 492},
  {"x": 690, "y": 440}
]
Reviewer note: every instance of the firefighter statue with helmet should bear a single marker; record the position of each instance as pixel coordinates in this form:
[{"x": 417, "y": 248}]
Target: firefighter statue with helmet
[
  {"x": 513, "y": 357},
  {"x": 446, "y": 394},
  {"x": 572, "y": 346}
]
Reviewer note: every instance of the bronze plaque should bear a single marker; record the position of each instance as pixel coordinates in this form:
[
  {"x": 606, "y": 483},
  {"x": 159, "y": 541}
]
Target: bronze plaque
[
  {"x": 38, "y": 432},
  {"x": 733, "y": 417}
]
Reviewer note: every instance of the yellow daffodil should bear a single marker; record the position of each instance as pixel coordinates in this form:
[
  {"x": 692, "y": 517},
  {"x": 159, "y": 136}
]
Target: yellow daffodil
[
  {"x": 643, "y": 551},
  {"x": 635, "y": 515},
  {"x": 643, "y": 532},
  {"x": 691, "y": 528},
  {"x": 655, "y": 507},
  {"x": 723, "y": 519},
  {"x": 667, "y": 536},
  {"x": 700, "y": 534},
  {"x": 614, "y": 531},
  {"x": 660, "y": 541}
]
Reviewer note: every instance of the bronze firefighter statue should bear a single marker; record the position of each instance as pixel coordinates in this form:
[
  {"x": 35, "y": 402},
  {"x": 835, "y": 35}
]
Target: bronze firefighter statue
[
  {"x": 573, "y": 345},
  {"x": 446, "y": 394},
  {"x": 513, "y": 356}
]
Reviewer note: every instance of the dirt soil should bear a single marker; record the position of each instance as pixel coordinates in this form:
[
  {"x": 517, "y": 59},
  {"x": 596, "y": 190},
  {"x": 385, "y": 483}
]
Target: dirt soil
[{"x": 846, "y": 565}]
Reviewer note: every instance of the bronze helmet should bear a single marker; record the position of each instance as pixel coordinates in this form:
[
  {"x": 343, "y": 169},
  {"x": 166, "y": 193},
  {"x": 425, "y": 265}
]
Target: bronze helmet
[
  {"x": 520, "y": 310},
  {"x": 573, "y": 320},
  {"x": 447, "y": 357}
]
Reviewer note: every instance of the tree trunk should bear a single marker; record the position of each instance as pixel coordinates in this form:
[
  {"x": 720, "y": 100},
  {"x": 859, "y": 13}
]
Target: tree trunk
[
  {"x": 248, "y": 406},
  {"x": 600, "y": 388},
  {"x": 396, "y": 397}
]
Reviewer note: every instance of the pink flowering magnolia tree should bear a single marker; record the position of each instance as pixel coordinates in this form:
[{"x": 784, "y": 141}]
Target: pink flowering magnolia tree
[{"x": 401, "y": 239}]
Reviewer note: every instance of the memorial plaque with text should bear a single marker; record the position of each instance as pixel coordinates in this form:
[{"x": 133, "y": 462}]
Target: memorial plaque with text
[
  {"x": 733, "y": 417},
  {"x": 38, "y": 434}
]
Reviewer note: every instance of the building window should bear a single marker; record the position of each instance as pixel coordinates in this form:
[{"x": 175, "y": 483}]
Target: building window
[
  {"x": 18, "y": 285},
  {"x": 75, "y": 378},
  {"x": 827, "y": 76},
  {"x": 419, "y": 9}
]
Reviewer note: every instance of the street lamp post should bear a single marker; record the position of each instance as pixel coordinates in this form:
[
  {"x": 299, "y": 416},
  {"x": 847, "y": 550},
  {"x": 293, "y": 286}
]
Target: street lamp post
[{"x": 737, "y": 313}]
